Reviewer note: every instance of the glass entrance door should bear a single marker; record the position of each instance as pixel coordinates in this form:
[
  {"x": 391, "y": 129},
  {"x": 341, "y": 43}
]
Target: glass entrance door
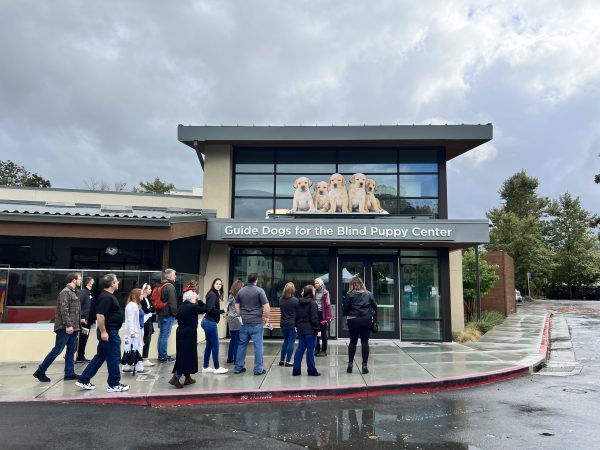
[{"x": 380, "y": 274}]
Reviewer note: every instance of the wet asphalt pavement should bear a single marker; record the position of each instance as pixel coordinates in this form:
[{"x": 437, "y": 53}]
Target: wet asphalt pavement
[{"x": 528, "y": 412}]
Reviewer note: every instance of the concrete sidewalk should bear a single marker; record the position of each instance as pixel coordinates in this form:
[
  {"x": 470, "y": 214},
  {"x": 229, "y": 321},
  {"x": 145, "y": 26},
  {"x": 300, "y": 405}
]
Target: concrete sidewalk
[{"x": 515, "y": 348}]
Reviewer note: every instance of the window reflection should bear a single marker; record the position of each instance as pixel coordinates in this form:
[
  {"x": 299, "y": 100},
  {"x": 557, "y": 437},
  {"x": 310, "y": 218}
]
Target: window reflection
[
  {"x": 254, "y": 160},
  {"x": 306, "y": 161},
  {"x": 403, "y": 188},
  {"x": 418, "y": 207},
  {"x": 254, "y": 185},
  {"x": 368, "y": 160},
  {"x": 418, "y": 185},
  {"x": 252, "y": 208},
  {"x": 300, "y": 266}
]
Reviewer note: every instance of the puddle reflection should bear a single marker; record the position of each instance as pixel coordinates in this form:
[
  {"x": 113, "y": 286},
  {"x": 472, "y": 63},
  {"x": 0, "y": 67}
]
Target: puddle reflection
[{"x": 325, "y": 426}]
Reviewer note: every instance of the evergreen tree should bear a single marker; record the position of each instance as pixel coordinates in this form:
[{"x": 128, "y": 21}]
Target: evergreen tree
[
  {"x": 520, "y": 230},
  {"x": 154, "y": 187},
  {"x": 576, "y": 255},
  {"x": 12, "y": 174}
]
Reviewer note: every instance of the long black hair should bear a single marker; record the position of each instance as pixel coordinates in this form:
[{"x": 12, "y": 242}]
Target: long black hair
[{"x": 212, "y": 289}]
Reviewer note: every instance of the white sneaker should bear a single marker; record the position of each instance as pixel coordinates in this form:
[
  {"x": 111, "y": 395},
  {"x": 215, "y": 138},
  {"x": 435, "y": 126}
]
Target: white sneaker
[
  {"x": 221, "y": 370},
  {"x": 149, "y": 363},
  {"x": 208, "y": 370},
  {"x": 142, "y": 371},
  {"x": 118, "y": 388},
  {"x": 88, "y": 386}
]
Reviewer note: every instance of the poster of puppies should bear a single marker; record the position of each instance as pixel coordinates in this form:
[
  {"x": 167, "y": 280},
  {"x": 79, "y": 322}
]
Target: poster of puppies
[{"x": 336, "y": 195}]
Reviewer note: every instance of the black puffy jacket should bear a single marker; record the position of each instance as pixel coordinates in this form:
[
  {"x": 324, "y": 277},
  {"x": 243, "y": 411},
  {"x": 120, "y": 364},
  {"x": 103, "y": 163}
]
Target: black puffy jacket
[
  {"x": 359, "y": 304},
  {"x": 307, "y": 317}
]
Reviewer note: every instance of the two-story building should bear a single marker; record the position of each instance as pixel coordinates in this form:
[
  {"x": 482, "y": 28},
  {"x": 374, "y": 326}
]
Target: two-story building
[{"x": 298, "y": 202}]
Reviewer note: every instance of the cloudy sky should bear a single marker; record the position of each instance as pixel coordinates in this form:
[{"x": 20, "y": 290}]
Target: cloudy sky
[{"x": 96, "y": 89}]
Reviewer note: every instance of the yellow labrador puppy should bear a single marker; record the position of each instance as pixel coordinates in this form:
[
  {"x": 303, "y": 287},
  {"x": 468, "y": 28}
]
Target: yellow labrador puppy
[
  {"x": 302, "y": 199},
  {"x": 372, "y": 203},
  {"x": 357, "y": 193},
  {"x": 338, "y": 196},
  {"x": 321, "y": 197}
]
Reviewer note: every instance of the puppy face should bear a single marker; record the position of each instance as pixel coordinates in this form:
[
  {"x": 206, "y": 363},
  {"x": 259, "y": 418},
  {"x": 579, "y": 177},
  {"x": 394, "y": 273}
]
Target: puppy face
[
  {"x": 302, "y": 184},
  {"x": 371, "y": 186},
  {"x": 321, "y": 187},
  {"x": 336, "y": 181},
  {"x": 358, "y": 180}
]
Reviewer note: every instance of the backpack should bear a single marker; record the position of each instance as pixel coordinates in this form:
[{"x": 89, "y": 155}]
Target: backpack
[{"x": 156, "y": 297}]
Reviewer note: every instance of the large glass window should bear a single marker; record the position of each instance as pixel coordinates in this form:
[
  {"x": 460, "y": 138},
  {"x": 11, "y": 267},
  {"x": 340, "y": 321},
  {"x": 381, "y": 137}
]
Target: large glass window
[
  {"x": 407, "y": 179},
  {"x": 307, "y": 161},
  {"x": 276, "y": 267},
  {"x": 254, "y": 160},
  {"x": 420, "y": 298}
]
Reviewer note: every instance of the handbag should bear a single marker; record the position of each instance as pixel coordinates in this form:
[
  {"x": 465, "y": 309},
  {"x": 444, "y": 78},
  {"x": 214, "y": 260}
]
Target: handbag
[{"x": 374, "y": 325}]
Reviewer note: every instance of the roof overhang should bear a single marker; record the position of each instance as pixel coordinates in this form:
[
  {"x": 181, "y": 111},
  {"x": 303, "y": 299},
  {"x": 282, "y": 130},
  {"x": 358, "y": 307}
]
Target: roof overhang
[
  {"x": 94, "y": 221},
  {"x": 456, "y": 139}
]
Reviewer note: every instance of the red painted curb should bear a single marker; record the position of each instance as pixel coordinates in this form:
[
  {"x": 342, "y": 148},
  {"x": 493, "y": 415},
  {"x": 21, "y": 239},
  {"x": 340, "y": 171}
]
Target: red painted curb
[
  {"x": 288, "y": 395},
  {"x": 545, "y": 345}
]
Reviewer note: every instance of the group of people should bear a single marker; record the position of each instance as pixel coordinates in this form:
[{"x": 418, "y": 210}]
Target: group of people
[
  {"x": 77, "y": 310},
  {"x": 306, "y": 318},
  {"x": 309, "y": 317}
]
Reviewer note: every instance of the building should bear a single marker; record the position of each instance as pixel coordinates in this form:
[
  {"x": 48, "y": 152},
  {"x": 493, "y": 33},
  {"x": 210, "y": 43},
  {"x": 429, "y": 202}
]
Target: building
[
  {"x": 255, "y": 215},
  {"x": 403, "y": 245}
]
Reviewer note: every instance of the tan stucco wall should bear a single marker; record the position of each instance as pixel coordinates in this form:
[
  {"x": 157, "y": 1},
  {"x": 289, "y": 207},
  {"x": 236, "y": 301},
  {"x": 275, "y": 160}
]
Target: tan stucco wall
[
  {"x": 33, "y": 343},
  {"x": 218, "y": 185},
  {"x": 218, "y": 179},
  {"x": 456, "y": 291},
  {"x": 218, "y": 267},
  {"x": 101, "y": 197}
]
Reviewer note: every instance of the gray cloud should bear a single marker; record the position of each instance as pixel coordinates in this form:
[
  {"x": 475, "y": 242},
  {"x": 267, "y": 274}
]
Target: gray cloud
[{"x": 97, "y": 88}]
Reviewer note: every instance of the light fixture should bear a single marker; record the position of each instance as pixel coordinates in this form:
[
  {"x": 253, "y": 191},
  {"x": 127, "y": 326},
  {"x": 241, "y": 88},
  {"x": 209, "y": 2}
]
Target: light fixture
[{"x": 111, "y": 250}]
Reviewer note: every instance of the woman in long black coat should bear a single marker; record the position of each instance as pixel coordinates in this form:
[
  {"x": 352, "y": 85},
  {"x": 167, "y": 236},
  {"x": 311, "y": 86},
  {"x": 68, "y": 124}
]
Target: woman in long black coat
[{"x": 186, "y": 362}]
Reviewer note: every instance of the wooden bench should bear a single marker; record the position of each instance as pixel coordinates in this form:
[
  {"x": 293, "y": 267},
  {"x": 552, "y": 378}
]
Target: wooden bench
[{"x": 275, "y": 317}]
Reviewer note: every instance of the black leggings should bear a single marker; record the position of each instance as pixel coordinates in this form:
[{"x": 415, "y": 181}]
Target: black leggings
[
  {"x": 359, "y": 326},
  {"x": 322, "y": 341},
  {"x": 148, "y": 331}
]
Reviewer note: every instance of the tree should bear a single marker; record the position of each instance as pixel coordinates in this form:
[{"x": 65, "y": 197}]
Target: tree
[
  {"x": 576, "y": 256},
  {"x": 520, "y": 230},
  {"x": 101, "y": 185},
  {"x": 154, "y": 187},
  {"x": 520, "y": 196},
  {"x": 12, "y": 174},
  {"x": 487, "y": 279}
]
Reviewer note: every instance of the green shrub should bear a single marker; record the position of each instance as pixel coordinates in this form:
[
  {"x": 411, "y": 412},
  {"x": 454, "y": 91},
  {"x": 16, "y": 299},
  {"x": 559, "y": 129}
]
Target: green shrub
[
  {"x": 474, "y": 329},
  {"x": 488, "y": 320}
]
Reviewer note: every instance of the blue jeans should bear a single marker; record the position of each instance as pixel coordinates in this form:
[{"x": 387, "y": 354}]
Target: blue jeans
[
  {"x": 107, "y": 351},
  {"x": 165, "y": 324},
  {"x": 247, "y": 332},
  {"x": 233, "y": 345},
  {"x": 287, "y": 348},
  {"x": 212, "y": 342},
  {"x": 306, "y": 342},
  {"x": 62, "y": 340}
]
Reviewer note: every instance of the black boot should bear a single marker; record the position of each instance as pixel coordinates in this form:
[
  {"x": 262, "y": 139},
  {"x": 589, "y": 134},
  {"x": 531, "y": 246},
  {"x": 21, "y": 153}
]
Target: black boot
[
  {"x": 365, "y": 369},
  {"x": 349, "y": 369}
]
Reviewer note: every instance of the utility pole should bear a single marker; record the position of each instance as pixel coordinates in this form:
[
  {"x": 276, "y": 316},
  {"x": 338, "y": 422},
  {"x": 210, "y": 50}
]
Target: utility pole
[{"x": 478, "y": 282}]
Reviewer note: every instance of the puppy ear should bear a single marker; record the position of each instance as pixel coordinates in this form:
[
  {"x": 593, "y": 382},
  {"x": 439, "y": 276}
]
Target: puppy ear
[
  {"x": 309, "y": 182},
  {"x": 352, "y": 179},
  {"x": 296, "y": 183},
  {"x": 344, "y": 181}
]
